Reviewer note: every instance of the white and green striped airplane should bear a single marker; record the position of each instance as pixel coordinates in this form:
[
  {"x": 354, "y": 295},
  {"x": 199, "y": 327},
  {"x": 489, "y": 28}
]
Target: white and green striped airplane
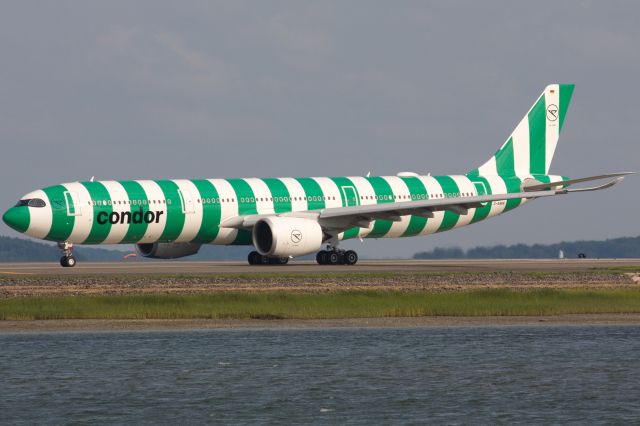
[{"x": 287, "y": 217}]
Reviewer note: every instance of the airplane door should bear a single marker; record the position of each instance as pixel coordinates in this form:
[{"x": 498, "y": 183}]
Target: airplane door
[
  {"x": 350, "y": 195},
  {"x": 187, "y": 202},
  {"x": 74, "y": 208}
]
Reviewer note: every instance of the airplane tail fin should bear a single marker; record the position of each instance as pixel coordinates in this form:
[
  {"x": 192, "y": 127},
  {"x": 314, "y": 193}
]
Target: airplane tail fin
[{"x": 530, "y": 148}]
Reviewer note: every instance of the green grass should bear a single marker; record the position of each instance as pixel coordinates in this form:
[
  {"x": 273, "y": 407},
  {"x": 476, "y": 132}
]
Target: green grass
[
  {"x": 620, "y": 269},
  {"x": 356, "y": 304}
]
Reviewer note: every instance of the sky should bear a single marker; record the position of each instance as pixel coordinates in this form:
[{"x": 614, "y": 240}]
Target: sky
[{"x": 193, "y": 89}]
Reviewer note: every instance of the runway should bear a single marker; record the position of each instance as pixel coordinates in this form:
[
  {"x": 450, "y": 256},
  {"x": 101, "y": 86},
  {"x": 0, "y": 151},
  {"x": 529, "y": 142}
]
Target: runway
[{"x": 308, "y": 267}]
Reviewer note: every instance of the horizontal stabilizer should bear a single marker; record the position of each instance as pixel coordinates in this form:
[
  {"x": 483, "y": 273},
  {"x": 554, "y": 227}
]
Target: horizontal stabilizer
[
  {"x": 599, "y": 187},
  {"x": 563, "y": 183}
]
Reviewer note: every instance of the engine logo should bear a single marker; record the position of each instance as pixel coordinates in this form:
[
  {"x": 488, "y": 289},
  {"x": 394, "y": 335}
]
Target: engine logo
[{"x": 296, "y": 236}]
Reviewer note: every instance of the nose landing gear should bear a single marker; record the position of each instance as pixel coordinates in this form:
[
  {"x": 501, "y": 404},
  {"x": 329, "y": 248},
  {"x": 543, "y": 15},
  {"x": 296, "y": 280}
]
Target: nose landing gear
[{"x": 67, "y": 260}]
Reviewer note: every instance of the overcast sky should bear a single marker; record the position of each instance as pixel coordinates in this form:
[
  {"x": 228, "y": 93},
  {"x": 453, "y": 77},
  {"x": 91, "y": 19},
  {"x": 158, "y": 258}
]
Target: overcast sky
[{"x": 150, "y": 89}]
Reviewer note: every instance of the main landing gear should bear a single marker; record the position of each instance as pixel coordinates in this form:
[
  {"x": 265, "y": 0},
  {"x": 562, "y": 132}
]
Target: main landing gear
[
  {"x": 67, "y": 260},
  {"x": 256, "y": 258},
  {"x": 337, "y": 257}
]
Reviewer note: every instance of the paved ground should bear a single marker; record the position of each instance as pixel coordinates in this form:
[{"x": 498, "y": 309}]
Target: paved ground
[
  {"x": 182, "y": 267},
  {"x": 89, "y": 325}
]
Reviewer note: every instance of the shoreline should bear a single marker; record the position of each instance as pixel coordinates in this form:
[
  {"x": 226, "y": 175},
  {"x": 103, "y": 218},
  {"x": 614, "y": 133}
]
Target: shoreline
[{"x": 131, "y": 325}]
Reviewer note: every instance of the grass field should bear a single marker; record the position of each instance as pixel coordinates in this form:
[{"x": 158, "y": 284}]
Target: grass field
[{"x": 345, "y": 304}]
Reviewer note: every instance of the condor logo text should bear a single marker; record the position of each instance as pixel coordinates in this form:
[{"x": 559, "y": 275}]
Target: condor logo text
[{"x": 137, "y": 217}]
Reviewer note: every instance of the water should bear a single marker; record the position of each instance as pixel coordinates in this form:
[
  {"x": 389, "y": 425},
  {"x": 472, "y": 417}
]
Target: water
[{"x": 329, "y": 376}]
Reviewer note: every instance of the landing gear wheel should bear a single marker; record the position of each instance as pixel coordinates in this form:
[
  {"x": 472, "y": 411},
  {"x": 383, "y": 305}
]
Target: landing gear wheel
[
  {"x": 68, "y": 261},
  {"x": 337, "y": 257},
  {"x": 321, "y": 257},
  {"x": 350, "y": 257},
  {"x": 254, "y": 258},
  {"x": 333, "y": 258}
]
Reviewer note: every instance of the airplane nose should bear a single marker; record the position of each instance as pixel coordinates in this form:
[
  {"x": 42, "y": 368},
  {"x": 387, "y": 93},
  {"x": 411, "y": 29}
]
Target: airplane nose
[{"x": 17, "y": 218}]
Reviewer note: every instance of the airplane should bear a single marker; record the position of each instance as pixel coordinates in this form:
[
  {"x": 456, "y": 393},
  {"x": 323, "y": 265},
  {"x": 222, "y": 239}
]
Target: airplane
[{"x": 289, "y": 217}]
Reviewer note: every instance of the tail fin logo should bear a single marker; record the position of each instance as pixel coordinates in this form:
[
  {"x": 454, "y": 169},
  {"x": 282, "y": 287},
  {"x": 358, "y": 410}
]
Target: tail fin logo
[{"x": 552, "y": 112}]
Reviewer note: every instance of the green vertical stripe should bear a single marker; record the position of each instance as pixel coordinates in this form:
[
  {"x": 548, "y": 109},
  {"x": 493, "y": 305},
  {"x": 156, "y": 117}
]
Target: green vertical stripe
[
  {"x": 211, "y": 211},
  {"x": 566, "y": 90},
  {"x": 280, "y": 195},
  {"x": 381, "y": 188},
  {"x": 449, "y": 186},
  {"x": 135, "y": 191},
  {"x": 244, "y": 238},
  {"x": 513, "y": 185},
  {"x": 62, "y": 224},
  {"x": 244, "y": 195},
  {"x": 312, "y": 189},
  {"x": 537, "y": 137},
  {"x": 542, "y": 178},
  {"x": 99, "y": 193},
  {"x": 504, "y": 160},
  {"x": 351, "y": 233},
  {"x": 175, "y": 217},
  {"x": 416, "y": 223},
  {"x": 481, "y": 212}
]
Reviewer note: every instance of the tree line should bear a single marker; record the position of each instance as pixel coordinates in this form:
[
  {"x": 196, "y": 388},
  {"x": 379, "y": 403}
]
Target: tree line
[{"x": 625, "y": 247}]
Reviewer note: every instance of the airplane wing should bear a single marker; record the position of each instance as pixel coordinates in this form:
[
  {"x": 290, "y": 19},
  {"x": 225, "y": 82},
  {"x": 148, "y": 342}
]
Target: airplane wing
[{"x": 338, "y": 219}]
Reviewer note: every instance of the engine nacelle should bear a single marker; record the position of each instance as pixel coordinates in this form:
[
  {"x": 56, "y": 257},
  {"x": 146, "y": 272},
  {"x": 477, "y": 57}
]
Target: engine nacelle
[
  {"x": 287, "y": 236},
  {"x": 167, "y": 250}
]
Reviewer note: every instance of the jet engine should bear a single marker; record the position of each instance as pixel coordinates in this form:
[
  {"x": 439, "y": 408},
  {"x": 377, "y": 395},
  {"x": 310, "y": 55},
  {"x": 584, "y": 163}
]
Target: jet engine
[
  {"x": 287, "y": 236},
  {"x": 167, "y": 250}
]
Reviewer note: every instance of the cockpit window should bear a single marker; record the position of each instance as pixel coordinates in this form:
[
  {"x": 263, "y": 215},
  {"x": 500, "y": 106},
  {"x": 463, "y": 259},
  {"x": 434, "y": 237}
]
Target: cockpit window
[
  {"x": 37, "y": 202},
  {"x": 32, "y": 202}
]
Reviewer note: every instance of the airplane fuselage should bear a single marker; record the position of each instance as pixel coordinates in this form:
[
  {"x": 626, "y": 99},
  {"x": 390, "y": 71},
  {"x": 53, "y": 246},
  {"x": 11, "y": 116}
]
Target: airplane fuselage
[{"x": 181, "y": 210}]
